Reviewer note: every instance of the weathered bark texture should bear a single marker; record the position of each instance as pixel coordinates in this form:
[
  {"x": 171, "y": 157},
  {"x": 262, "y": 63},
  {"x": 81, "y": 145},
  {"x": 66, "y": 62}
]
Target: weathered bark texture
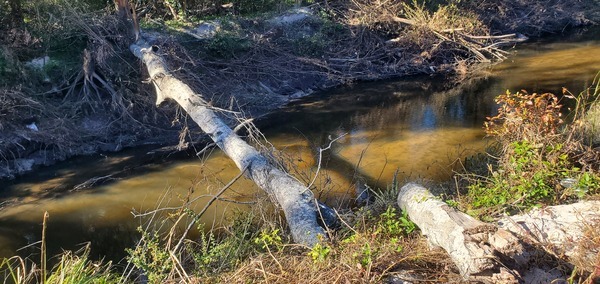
[
  {"x": 558, "y": 229},
  {"x": 295, "y": 199},
  {"x": 472, "y": 245},
  {"x": 524, "y": 248}
]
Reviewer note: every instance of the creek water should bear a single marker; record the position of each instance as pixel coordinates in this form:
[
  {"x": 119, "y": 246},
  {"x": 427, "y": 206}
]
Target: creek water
[{"x": 417, "y": 126}]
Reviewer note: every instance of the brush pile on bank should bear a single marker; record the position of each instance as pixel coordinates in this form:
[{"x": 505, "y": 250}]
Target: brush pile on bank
[{"x": 89, "y": 96}]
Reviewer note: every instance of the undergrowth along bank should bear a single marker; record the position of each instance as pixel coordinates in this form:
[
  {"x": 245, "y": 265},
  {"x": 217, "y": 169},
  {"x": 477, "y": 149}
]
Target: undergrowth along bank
[
  {"x": 378, "y": 242},
  {"x": 540, "y": 156},
  {"x": 370, "y": 247},
  {"x": 541, "y": 169},
  {"x": 89, "y": 83}
]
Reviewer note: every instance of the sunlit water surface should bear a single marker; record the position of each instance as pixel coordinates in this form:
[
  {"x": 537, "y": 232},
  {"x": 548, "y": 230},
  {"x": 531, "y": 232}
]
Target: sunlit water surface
[{"x": 415, "y": 126}]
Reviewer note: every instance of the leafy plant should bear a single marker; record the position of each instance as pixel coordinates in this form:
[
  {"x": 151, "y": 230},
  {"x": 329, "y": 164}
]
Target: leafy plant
[
  {"x": 308, "y": 45},
  {"x": 319, "y": 252},
  {"x": 393, "y": 225},
  {"x": 396, "y": 243},
  {"x": 366, "y": 255},
  {"x": 538, "y": 160},
  {"x": 216, "y": 253},
  {"x": 268, "y": 240},
  {"x": 408, "y": 225},
  {"x": 151, "y": 257},
  {"x": 226, "y": 45}
]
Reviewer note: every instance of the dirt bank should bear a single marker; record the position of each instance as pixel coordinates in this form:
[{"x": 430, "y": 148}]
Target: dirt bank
[{"x": 246, "y": 66}]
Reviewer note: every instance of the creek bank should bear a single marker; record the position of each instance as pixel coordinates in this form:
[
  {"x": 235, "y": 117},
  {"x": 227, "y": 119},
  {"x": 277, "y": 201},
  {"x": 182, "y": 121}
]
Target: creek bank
[{"x": 250, "y": 66}]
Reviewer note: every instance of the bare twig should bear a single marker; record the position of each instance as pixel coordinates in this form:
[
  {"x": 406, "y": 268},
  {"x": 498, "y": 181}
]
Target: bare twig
[
  {"x": 210, "y": 202},
  {"x": 321, "y": 150}
]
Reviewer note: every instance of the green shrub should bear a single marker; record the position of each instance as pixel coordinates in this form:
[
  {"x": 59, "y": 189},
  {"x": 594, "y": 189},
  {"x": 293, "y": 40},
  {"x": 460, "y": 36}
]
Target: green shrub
[
  {"x": 151, "y": 257},
  {"x": 227, "y": 45},
  {"x": 391, "y": 224},
  {"x": 319, "y": 252},
  {"x": 538, "y": 161}
]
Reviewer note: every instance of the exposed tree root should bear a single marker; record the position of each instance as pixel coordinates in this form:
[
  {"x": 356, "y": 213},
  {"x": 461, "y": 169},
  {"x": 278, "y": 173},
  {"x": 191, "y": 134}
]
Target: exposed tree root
[{"x": 84, "y": 91}]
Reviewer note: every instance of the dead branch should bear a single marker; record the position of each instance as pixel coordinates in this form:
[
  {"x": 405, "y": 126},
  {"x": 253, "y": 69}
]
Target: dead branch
[
  {"x": 292, "y": 196},
  {"x": 472, "y": 245},
  {"x": 478, "y": 45}
]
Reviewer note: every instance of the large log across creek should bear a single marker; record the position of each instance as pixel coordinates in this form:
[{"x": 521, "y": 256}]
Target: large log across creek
[
  {"x": 482, "y": 252},
  {"x": 294, "y": 198}
]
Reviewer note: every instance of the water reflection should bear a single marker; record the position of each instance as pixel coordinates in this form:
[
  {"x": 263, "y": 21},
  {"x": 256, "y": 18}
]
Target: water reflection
[
  {"x": 564, "y": 65},
  {"x": 415, "y": 125},
  {"x": 106, "y": 211}
]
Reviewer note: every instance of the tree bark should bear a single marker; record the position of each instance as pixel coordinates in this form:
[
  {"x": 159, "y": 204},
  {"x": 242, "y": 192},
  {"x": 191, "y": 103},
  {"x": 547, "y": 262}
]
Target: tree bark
[
  {"x": 472, "y": 245},
  {"x": 524, "y": 248},
  {"x": 295, "y": 199},
  {"x": 559, "y": 229}
]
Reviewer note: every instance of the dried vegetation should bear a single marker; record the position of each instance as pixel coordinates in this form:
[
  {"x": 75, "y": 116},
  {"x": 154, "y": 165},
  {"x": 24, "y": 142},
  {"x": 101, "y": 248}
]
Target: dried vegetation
[
  {"x": 375, "y": 244},
  {"x": 78, "y": 94},
  {"x": 538, "y": 159},
  {"x": 92, "y": 83},
  {"x": 98, "y": 98}
]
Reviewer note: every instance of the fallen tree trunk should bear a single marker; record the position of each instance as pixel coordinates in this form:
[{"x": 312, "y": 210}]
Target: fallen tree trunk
[
  {"x": 524, "y": 248},
  {"x": 560, "y": 229},
  {"x": 295, "y": 199},
  {"x": 475, "y": 247}
]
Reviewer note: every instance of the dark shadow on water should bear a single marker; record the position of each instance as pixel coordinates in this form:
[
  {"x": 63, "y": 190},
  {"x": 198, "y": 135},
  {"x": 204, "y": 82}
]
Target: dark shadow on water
[
  {"x": 105, "y": 167},
  {"x": 385, "y": 112}
]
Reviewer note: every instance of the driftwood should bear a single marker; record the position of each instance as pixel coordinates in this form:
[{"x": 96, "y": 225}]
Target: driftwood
[
  {"x": 558, "y": 229},
  {"x": 295, "y": 199},
  {"x": 481, "y": 46},
  {"x": 475, "y": 247},
  {"x": 510, "y": 252}
]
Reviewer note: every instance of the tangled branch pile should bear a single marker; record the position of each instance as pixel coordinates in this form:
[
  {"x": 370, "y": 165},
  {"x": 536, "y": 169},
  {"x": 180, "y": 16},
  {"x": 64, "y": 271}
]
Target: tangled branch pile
[{"x": 447, "y": 32}]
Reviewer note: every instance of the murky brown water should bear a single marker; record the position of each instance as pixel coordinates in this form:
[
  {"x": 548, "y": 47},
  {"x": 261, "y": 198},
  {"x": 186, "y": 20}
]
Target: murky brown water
[{"x": 414, "y": 125}]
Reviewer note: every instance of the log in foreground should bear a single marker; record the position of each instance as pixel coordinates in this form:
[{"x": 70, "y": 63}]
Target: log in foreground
[
  {"x": 559, "y": 229},
  {"x": 295, "y": 199},
  {"x": 473, "y": 246}
]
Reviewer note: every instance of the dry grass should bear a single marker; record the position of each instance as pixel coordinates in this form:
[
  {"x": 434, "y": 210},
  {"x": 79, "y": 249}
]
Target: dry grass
[
  {"x": 71, "y": 267},
  {"x": 361, "y": 253},
  {"x": 539, "y": 160},
  {"x": 587, "y": 257},
  {"x": 13, "y": 105},
  {"x": 347, "y": 264},
  {"x": 446, "y": 34},
  {"x": 591, "y": 124},
  {"x": 588, "y": 120},
  {"x": 533, "y": 17},
  {"x": 374, "y": 245}
]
